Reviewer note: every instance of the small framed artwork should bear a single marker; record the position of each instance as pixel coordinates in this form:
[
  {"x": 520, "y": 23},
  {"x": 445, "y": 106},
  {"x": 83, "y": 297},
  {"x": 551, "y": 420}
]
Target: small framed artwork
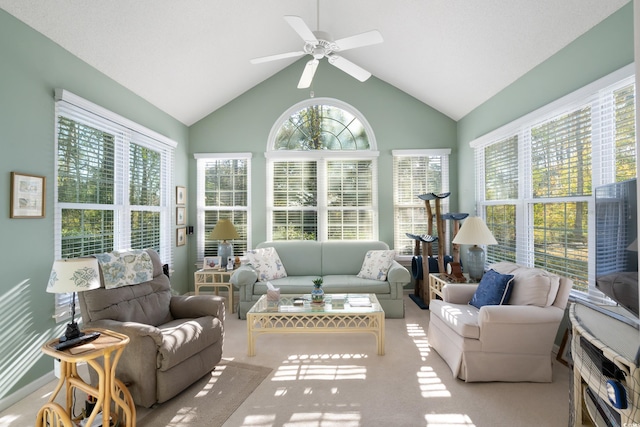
[
  {"x": 181, "y": 236},
  {"x": 27, "y": 195},
  {"x": 564, "y": 353},
  {"x": 211, "y": 262},
  {"x": 181, "y": 195},
  {"x": 181, "y": 214}
]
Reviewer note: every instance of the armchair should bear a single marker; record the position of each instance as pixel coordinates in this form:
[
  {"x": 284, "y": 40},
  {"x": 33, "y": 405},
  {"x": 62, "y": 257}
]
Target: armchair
[
  {"x": 174, "y": 340},
  {"x": 511, "y": 342}
]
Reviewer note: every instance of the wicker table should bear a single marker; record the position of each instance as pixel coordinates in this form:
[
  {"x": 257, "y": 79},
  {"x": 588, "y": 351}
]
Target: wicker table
[{"x": 283, "y": 317}]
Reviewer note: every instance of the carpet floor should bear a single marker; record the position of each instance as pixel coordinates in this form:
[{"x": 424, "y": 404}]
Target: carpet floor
[{"x": 329, "y": 380}]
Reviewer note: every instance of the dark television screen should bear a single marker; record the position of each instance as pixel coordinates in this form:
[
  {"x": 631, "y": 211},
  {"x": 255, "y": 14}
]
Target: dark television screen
[{"x": 617, "y": 243}]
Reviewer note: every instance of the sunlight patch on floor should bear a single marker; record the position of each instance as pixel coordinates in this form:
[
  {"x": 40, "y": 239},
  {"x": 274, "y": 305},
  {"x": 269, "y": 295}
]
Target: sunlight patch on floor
[
  {"x": 448, "y": 420},
  {"x": 320, "y": 372},
  {"x": 430, "y": 384},
  {"x": 419, "y": 336}
]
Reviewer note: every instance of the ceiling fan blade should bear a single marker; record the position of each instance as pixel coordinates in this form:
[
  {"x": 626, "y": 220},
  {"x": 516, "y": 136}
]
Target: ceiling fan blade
[
  {"x": 359, "y": 40},
  {"x": 276, "y": 57},
  {"x": 301, "y": 28},
  {"x": 308, "y": 73},
  {"x": 349, "y": 67}
]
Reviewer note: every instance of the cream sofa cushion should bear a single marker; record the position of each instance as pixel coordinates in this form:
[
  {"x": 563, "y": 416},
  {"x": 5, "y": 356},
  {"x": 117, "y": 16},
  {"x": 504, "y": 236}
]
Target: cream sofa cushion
[{"x": 531, "y": 286}]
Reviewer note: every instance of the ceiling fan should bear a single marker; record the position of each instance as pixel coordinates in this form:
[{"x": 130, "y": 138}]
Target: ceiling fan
[{"x": 319, "y": 44}]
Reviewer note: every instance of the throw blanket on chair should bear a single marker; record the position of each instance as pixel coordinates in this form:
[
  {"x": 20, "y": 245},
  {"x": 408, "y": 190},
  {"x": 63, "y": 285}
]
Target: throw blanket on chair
[{"x": 124, "y": 268}]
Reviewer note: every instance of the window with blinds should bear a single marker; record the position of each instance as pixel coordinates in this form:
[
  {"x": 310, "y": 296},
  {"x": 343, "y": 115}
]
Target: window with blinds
[
  {"x": 416, "y": 172},
  {"x": 223, "y": 188},
  {"x": 536, "y": 177},
  {"x": 114, "y": 181},
  {"x": 322, "y": 174}
]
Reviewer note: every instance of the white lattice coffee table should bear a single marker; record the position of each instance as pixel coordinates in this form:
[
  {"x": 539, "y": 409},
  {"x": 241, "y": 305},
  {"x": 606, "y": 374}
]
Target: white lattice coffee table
[{"x": 283, "y": 317}]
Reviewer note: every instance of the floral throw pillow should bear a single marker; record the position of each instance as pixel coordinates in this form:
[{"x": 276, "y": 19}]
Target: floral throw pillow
[
  {"x": 267, "y": 263},
  {"x": 125, "y": 268},
  {"x": 376, "y": 264}
]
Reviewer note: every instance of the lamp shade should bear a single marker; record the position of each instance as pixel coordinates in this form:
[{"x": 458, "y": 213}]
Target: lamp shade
[
  {"x": 474, "y": 232},
  {"x": 74, "y": 275},
  {"x": 224, "y": 230}
]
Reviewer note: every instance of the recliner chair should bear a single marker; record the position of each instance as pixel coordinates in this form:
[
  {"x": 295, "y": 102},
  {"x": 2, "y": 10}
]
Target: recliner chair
[{"x": 174, "y": 340}]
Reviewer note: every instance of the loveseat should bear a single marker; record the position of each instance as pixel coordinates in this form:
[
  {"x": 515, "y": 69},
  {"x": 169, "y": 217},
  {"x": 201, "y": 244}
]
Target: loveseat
[
  {"x": 174, "y": 340},
  {"x": 511, "y": 339},
  {"x": 338, "y": 263}
]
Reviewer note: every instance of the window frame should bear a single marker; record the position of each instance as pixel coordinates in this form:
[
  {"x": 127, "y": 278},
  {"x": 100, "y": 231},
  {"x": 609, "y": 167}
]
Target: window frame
[
  {"x": 201, "y": 160},
  {"x": 321, "y": 157},
  {"x": 398, "y": 205},
  {"x": 128, "y": 132},
  {"x": 598, "y": 95}
]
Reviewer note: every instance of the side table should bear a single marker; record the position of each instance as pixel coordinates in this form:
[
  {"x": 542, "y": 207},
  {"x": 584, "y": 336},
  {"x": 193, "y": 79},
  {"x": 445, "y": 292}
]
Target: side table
[
  {"x": 108, "y": 347},
  {"x": 437, "y": 281},
  {"x": 215, "y": 279}
]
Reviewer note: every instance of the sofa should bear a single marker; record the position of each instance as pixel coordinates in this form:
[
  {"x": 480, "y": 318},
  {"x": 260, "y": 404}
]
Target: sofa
[
  {"x": 338, "y": 263},
  {"x": 174, "y": 340},
  {"x": 510, "y": 339}
]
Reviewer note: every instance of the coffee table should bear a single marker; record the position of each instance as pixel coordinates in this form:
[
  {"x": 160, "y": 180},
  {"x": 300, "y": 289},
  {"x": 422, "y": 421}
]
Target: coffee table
[{"x": 362, "y": 314}]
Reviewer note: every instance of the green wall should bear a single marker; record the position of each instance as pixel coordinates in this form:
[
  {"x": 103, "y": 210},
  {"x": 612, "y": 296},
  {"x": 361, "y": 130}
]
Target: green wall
[
  {"x": 31, "y": 67},
  {"x": 399, "y": 121},
  {"x": 604, "y": 49}
]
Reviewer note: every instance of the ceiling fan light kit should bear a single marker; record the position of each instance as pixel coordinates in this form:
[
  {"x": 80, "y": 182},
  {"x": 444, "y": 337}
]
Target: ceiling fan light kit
[{"x": 319, "y": 44}]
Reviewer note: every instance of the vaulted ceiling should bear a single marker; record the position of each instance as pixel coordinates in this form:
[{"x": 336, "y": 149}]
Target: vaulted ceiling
[{"x": 191, "y": 57}]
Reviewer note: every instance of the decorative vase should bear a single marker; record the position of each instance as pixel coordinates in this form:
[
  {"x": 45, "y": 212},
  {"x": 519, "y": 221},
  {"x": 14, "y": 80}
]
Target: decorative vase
[{"x": 317, "y": 294}]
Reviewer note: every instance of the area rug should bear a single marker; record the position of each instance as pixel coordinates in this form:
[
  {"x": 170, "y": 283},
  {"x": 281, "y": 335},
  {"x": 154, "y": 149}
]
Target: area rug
[{"x": 209, "y": 401}]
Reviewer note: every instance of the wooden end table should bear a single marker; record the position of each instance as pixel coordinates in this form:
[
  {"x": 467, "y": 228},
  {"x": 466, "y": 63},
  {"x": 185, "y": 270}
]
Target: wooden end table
[
  {"x": 216, "y": 279},
  {"x": 108, "y": 346}
]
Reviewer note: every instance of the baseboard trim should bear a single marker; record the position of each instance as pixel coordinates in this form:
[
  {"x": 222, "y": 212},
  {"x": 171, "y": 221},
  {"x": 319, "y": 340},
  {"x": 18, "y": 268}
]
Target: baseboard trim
[{"x": 25, "y": 391}]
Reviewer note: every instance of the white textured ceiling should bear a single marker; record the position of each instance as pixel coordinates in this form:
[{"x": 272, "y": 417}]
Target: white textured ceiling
[{"x": 190, "y": 57}]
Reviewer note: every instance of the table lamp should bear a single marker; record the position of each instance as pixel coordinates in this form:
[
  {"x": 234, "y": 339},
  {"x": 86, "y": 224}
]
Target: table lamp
[
  {"x": 224, "y": 230},
  {"x": 73, "y": 275},
  {"x": 474, "y": 232}
]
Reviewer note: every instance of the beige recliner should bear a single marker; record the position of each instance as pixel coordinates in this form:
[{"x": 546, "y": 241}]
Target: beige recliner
[
  {"x": 174, "y": 340},
  {"x": 510, "y": 342}
]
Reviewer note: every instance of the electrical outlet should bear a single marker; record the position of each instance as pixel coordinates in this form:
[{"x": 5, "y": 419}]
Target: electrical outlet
[{"x": 56, "y": 368}]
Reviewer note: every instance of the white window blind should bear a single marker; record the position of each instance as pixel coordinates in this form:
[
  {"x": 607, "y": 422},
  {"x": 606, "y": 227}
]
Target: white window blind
[
  {"x": 416, "y": 172},
  {"x": 114, "y": 181},
  {"x": 322, "y": 174},
  {"x": 223, "y": 187},
  {"x": 536, "y": 176}
]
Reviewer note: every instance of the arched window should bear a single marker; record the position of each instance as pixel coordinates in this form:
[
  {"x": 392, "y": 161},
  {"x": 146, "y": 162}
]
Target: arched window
[{"x": 322, "y": 174}]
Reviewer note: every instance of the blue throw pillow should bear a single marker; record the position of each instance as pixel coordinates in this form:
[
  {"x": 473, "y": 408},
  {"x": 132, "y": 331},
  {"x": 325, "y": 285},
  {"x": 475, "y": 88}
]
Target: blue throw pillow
[{"x": 494, "y": 289}]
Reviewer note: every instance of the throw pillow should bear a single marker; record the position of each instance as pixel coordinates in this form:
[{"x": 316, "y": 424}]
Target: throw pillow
[
  {"x": 267, "y": 263},
  {"x": 376, "y": 264},
  {"x": 535, "y": 287},
  {"x": 494, "y": 289},
  {"x": 125, "y": 268}
]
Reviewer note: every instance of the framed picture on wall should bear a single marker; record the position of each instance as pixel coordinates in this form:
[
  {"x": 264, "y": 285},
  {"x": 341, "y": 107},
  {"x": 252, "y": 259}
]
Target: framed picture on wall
[
  {"x": 181, "y": 214},
  {"x": 27, "y": 196},
  {"x": 181, "y": 195},
  {"x": 181, "y": 236}
]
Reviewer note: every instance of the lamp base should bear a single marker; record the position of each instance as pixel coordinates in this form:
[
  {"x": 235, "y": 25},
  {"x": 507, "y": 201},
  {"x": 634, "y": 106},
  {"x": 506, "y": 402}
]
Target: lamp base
[
  {"x": 225, "y": 250},
  {"x": 475, "y": 262},
  {"x": 72, "y": 331}
]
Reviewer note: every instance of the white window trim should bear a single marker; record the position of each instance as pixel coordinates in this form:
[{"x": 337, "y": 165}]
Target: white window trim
[
  {"x": 61, "y": 307},
  {"x": 201, "y": 158},
  {"x": 373, "y": 145},
  {"x": 321, "y": 156},
  {"x": 423, "y": 152},
  {"x": 580, "y": 97}
]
